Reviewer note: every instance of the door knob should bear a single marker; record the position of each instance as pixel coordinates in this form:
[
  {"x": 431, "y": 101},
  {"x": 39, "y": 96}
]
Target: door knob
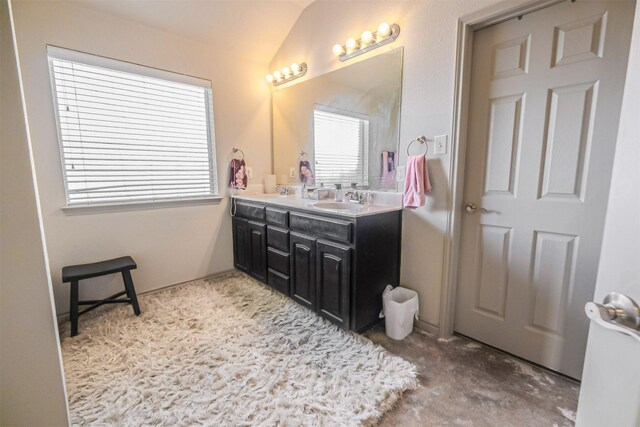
[
  {"x": 617, "y": 312},
  {"x": 472, "y": 208}
]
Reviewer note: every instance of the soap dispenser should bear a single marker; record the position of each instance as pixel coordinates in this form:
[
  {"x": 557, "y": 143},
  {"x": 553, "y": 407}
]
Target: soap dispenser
[{"x": 338, "y": 197}]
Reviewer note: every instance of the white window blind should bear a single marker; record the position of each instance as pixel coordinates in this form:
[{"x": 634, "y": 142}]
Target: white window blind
[
  {"x": 341, "y": 145},
  {"x": 129, "y": 133}
]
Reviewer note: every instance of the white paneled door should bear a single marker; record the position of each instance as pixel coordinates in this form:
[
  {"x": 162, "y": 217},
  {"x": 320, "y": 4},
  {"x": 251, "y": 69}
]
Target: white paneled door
[{"x": 545, "y": 100}]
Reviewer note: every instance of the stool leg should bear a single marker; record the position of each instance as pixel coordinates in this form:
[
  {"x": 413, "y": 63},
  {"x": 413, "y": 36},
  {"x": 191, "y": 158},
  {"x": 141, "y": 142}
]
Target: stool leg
[
  {"x": 73, "y": 308},
  {"x": 131, "y": 291}
]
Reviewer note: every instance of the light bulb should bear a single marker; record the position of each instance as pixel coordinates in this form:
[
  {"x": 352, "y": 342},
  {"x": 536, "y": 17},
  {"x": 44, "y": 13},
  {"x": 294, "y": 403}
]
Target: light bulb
[
  {"x": 338, "y": 50},
  {"x": 384, "y": 30},
  {"x": 277, "y": 75},
  {"x": 269, "y": 78},
  {"x": 351, "y": 45},
  {"x": 286, "y": 72},
  {"x": 295, "y": 68},
  {"x": 366, "y": 37}
]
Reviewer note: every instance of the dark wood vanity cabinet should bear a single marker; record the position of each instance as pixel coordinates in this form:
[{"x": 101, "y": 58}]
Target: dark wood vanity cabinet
[
  {"x": 241, "y": 250},
  {"x": 249, "y": 247},
  {"x": 334, "y": 281},
  {"x": 303, "y": 270},
  {"x": 258, "y": 249},
  {"x": 250, "y": 240},
  {"x": 335, "y": 265}
]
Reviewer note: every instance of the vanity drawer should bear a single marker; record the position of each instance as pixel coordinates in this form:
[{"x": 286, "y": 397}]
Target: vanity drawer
[
  {"x": 278, "y": 281},
  {"x": 278, "y": 260},
  {"x": 278, "y": 238},
  {"x": 277, "y": 216},
  {"x": 249, "y": 211},
  {"x": 321, "y": 227}
]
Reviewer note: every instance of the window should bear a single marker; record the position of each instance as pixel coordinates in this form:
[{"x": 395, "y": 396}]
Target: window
[
  {"x": 130, "y": 133},
  {"x": 341, "y": 144}
]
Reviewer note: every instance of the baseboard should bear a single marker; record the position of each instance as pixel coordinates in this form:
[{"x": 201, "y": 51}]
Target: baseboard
[
  {"x": 211, "y": 276},
  {"x": 420, "y": 326},
  {"x": 427, "y": 327},
  {"x": 65, "y": 316}
]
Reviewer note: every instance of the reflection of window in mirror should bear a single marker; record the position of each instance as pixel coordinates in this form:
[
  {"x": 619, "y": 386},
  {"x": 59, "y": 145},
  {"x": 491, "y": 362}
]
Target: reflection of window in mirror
[{"x": 341, "y": 146}]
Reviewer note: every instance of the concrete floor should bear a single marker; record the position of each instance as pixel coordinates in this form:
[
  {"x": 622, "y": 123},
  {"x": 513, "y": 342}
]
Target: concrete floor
[{"x": 463, "y": 383}]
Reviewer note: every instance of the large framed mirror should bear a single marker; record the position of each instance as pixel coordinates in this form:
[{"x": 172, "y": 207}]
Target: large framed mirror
[{"x": 341, "y": 127}]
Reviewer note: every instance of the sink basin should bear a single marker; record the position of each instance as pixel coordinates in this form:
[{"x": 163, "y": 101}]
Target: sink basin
[{"x": 338, "y": 206}]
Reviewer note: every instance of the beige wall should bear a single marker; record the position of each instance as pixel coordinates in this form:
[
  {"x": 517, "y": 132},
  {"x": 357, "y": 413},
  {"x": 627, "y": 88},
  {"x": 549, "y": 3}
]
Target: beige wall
[
  {"x": 172, "y": 244},
  {"x": 31, "y": 381},
  {"x": 428, "y": 34}
]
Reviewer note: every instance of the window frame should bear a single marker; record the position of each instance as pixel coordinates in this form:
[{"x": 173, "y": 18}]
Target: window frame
[
  {"x": 365, "y": 133},
  {"x": 56, "y": 52}
]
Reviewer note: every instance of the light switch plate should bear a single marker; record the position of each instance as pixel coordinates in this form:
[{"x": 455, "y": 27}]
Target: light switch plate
[
  {"x": 440, "y": 143},
  {"x": 249, "y": 172},
  {"x": 292, "y": 172}
]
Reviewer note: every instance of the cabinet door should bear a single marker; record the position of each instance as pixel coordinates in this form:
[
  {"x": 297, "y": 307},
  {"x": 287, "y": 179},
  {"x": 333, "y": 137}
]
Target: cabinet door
[
  {"x": 241, "y": 250},
  {"x": 258, "y": 250},
  {"x": 303, "y": 269},
  {"x": 334, "y": 282}
]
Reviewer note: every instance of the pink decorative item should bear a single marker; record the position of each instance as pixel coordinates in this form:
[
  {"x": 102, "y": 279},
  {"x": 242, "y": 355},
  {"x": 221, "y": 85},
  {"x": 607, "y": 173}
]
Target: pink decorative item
[
  {"x": 416, "y": 182},
  {"x": 238, "y": 174}
]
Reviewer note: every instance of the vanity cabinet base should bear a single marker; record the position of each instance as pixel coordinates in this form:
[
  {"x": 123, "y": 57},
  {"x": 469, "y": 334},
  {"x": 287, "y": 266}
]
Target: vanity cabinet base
[
  {"x": 250, "y": 247},
  {"x": 334, "y": 282},
  {"x": 336, "y": 266}
]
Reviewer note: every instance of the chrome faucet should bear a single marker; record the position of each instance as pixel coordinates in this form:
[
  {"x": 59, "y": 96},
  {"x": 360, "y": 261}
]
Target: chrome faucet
[
  {"x": 283, "y": 189},
  {"x": 352, "y": 196},
  {"x": 361, "y": 197}
]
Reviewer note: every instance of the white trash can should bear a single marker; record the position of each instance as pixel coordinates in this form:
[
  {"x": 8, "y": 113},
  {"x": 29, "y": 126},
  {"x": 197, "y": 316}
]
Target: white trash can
[{"x": 399, "y": 307}]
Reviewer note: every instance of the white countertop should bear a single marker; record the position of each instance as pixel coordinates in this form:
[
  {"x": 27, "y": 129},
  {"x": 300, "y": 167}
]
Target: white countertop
[{"x": 308, "y": 205}]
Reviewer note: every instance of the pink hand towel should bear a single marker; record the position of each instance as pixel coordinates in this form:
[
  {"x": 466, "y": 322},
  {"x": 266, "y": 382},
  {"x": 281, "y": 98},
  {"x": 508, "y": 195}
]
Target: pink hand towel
[{"x": 416, "y": 182}]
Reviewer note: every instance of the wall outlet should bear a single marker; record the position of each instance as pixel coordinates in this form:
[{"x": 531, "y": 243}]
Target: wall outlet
[
  {"x": 440, "y": 143},
  {"x": 400, "y": 172},
  {"x": 292, "y": 172},
  {"x": 249, "y": 172}
]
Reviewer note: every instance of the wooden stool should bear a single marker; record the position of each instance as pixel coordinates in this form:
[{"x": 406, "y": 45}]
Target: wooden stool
[{"x": 75, "y": 273}]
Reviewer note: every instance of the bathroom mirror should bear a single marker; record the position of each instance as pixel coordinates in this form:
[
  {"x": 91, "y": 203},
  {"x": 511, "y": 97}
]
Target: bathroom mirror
[{"x": 341, "y": 127}]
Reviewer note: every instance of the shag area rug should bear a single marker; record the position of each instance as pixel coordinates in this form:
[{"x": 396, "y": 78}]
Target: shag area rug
[{"x": 226, "y": 351}]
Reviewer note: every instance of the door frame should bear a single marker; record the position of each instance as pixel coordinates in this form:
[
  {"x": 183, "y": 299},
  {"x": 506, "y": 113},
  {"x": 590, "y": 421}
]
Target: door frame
[{"x": 467, "y": 26}]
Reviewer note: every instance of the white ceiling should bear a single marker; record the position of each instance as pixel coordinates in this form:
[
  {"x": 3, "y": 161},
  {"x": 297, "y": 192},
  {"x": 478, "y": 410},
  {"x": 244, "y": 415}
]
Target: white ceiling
[{"x": 257, "y": 27}]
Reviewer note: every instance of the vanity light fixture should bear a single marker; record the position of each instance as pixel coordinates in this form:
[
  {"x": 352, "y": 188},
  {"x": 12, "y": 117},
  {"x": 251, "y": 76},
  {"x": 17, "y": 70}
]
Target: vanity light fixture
[
  {"x": 287, "y": 74},
  {"x": 366, "y": 38},
  {"x": 351, "y": 45},
  {"x": 368, "y": 41}
]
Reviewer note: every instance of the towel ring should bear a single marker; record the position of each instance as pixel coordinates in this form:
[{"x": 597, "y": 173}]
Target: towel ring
[
  {"x": 421, "y": 140},
  {"x": 303, "y": 155},
  {"x": 235, "y": 150}
]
